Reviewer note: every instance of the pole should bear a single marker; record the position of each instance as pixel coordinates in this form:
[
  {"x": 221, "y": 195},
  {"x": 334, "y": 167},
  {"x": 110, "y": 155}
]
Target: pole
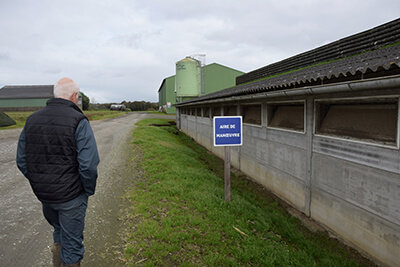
[{"x": 227, "y": 173}]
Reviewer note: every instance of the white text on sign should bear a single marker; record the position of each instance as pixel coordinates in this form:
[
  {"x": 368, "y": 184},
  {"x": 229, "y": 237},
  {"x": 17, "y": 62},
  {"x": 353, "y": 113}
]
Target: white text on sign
[
  {"x": 228, "y": 135},
  {"x": 227, "y": 126}
]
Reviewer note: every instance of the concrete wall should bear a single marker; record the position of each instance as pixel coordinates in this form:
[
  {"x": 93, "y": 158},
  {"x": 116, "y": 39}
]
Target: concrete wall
[{"x": 352, "y": 187}]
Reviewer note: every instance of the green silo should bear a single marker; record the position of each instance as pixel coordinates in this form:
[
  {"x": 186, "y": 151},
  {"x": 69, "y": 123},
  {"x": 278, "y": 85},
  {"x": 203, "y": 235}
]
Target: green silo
[{"x": 187, "y": 79}]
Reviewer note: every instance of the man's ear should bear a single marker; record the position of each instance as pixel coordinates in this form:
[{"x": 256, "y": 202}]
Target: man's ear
[
  {"x": 73, "y": 97},
  {"x": 77, "y": 97}
]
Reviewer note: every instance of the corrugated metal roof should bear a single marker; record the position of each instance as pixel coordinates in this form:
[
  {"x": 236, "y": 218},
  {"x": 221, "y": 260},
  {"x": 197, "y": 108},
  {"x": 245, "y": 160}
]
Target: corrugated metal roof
[
  {"x": 372, "y": 39},
  {"x": 26, "y": 91},
  {"x": 385, "y": 60}
]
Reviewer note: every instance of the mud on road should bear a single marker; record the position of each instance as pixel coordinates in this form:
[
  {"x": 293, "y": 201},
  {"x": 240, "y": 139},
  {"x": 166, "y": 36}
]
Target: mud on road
[{"x": 25, "y": 236}]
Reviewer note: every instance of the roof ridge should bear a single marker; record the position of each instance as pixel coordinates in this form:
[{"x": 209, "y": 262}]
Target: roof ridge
[{"x": 26, "y": 85}]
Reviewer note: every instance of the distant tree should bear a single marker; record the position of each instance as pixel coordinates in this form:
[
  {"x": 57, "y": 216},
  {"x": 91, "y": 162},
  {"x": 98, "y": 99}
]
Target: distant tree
[
  {"x": 85, "y": 101},
  {"x": 99, "y": 106},
  {"x": 140, "y": 105}
]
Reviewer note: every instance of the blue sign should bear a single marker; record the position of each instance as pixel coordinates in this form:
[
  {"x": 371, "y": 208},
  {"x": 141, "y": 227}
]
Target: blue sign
[{"x": 228, "y": 131}]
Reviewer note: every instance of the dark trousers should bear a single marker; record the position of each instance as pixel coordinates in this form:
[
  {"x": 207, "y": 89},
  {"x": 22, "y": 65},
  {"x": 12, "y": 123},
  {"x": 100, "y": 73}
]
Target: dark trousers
[{"x": 68, "y": 220}]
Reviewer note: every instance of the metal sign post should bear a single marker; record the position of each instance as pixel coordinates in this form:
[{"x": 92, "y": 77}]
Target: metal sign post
[
  {"x": 227, "y": 173},
  {"x": 228, "y": 132}
]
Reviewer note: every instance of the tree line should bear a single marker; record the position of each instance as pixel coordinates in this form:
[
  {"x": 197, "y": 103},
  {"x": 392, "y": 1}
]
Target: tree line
[
  {"x": 140, "y": 105},
  {"x": 132, "y": 105}
]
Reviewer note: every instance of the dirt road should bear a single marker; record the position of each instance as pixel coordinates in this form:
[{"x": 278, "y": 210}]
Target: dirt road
[{"x": 25, "y": 237}]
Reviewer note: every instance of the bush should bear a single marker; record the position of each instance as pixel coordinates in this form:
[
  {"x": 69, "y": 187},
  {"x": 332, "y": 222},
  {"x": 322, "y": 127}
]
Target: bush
[
  {"x": 5, "y": 120},
  {"x": 85, "y": 101}
]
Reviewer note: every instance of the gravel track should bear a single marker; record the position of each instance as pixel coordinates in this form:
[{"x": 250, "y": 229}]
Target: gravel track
[{"x": 25, "y": 236}]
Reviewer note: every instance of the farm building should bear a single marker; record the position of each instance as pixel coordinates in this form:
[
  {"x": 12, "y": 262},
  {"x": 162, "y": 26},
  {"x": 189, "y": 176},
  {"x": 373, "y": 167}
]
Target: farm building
[
  {"x": 321, "y": 131},
  {"x": 218, "y": 77},
  {"x": 193, "y": 80},
  {"x": 166, "y": 95},
  {"x": 26, "y": 97}
]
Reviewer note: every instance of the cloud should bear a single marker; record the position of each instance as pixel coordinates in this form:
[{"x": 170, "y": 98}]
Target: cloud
[{"x": 122, "y": 49}]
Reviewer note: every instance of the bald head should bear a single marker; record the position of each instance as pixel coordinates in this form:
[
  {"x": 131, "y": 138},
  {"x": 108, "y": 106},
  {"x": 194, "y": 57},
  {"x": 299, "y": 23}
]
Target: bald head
[{"x": 66, "y": 88}]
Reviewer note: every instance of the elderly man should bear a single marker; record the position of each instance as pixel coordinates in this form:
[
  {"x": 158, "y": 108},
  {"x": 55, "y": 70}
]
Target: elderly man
[{"x": 57, "y": 153}]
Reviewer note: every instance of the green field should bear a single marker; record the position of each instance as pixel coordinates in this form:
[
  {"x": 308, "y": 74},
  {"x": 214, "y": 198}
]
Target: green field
[
  {"x": 94, "y": 115},
  {"x": 157, "y": 113},
  {"x": 20, "y": 117},
  {"x": 178, "y": 215}
]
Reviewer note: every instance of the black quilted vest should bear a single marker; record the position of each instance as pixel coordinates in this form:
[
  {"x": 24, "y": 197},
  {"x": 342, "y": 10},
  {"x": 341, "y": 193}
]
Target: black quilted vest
[{"x": 51, "y": 151}]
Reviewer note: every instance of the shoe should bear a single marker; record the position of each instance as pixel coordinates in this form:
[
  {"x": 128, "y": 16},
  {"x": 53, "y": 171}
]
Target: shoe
[
  {"x": 78, "y": 264},
  {"x": 56, "y": 250}
]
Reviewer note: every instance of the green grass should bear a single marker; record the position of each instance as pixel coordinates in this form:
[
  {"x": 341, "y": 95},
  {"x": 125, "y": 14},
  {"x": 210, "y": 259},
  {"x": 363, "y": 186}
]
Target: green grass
[
  {"x": 94, "y": 115},
  {"x": 20, "y": 117},
  {"x": 157, "y": 113},
  {"x": 179, "y": 217}
]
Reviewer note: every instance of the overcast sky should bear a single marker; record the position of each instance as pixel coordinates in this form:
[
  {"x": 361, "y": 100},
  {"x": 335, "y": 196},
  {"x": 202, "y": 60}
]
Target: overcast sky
[{"x": 122, "y": 49}]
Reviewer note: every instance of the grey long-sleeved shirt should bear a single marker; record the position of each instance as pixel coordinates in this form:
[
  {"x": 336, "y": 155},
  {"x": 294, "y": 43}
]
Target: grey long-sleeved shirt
[{"x": 88, "y": 157}]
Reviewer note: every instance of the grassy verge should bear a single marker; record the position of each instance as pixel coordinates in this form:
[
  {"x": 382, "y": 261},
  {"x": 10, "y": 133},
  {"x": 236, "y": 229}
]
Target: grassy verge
[
  {"x": 179, "y": 217},
  {"x": 157, "y": 113},
  {"x": 20, "y": 117}
]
